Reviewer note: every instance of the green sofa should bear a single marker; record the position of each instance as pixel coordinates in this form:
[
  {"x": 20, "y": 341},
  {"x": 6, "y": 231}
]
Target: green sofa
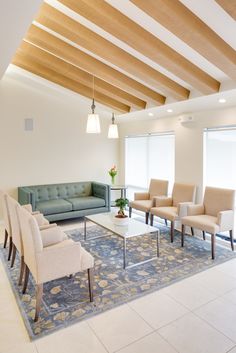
[{"x": 65, "y": 201}]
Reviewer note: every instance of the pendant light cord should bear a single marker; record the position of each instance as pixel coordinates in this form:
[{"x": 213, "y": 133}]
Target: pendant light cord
[{"x": 93, "y": 102}]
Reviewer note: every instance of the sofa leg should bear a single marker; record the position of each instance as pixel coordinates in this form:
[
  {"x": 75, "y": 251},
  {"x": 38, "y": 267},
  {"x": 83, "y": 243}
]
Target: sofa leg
[
  {"x": 172, "y": 229},
  {"x": 231, "y": 239},
  {"x": 90, "y": 283},
  {"x": 13, "y": 255},
  {"x": 10, "y": 249},
  {"x": 130, "y": 212},
  {"x": 204, "y": 235},
  {"x": 22, "y": 268},
  {"x": 213, "y": 246},
  {"x": 151, "y": 219},
  {"x": 5, "y": 239},
  {"x": 166, "y": 222},
  {"x": 182, "y": 235},
  {"x": 146, "y": 217},
  {"x": 39, "y": 294},
  {"x": 25, "y": 279},
  {"x": 192, "y": 231}
]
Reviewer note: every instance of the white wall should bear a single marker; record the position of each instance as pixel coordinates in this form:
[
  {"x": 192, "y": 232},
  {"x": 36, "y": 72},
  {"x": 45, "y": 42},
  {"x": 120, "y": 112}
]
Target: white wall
[
  {"x": 189, "y": 141},
  {"x": 58, "y": 150}
]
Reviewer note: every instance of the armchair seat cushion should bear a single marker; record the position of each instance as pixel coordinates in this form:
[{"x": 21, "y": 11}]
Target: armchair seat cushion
[
  {"x": 141, "y": 205},
  {"x": 86, "y": 202},
  {"x": 53, "y": 206},
  {"x": 202, "y": 222},
  {"x": 170, "y": 213}
]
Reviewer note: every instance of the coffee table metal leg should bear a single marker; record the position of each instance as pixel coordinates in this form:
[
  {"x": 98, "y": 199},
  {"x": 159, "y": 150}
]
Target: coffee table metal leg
[
  {"x": 85, "y": 228},
  {"x": 124, "y": 253},
  {"x": 158, "y": 252}
]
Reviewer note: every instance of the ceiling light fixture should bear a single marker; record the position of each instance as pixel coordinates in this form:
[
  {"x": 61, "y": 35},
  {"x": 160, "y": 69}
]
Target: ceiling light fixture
[
  {"x": 222, "y": 100},
  {"x": 113, "y": 129},
  {"x": 169, "y": 110},
  {"x": 150, "y": 114},
  {"x": 93, "y": 123}
]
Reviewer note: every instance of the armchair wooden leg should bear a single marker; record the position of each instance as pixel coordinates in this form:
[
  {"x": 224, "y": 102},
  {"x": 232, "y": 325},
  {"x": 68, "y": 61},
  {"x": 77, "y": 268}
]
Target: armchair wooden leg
[
  {"x": 13, "y": 255},
  {"x": 39, "y": 294},
  {"x": 151, "y": 219},
  {"x": 22, "y": 268},
  {"x": 130, "y": 212},
  {"x": 172, "y": 229},
  {"x": 213, "y": 246},
  {"x": 204, "y": 235},
  {"x": 90, "y": 283},
  {"x": 182, "y": 235},
  {"x": 10, "y": 249},
  {"x": 146, "y": 217},
  {"x": 5, "y": 239},
  {"x": 166, "y": 222},
  {"x": 192, "y": 231},
  {"x": 25, "y": 279},
  {"x": 231, "y": 239}
]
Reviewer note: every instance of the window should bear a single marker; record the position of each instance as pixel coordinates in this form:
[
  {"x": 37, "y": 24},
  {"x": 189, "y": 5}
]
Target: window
[
  {"x": 220, "y": 157},
  {"x": 147, "y": 157}
]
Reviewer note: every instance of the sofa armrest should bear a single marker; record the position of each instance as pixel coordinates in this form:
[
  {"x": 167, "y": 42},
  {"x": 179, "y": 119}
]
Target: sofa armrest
[
  {"x": 195, "y": 210},
  {"x": 103, "y": 191},
  {"x": 26, "y": 196},
  {"x": 182, "y": 208},
  {"x": 225, "y": 219},
  {"x": 141, "y": 196},
  {"x": 162, "y": 201}
]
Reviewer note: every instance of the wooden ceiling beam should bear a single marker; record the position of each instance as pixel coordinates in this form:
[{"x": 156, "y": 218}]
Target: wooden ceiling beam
[
  {"x": 229, "y": 6},
  {"x": 114, "y": 22},
  {"x": 23, "y": 61},
  {"x": 184, "y": 24},
  {"x": 84, "y": 37},
  {"x": 77, "y": 57},
  {"x": 64, "y": 68}
]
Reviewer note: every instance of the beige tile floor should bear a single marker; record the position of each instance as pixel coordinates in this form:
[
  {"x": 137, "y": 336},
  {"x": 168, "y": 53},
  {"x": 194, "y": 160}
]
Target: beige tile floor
[{"x": 196, "y": 315}]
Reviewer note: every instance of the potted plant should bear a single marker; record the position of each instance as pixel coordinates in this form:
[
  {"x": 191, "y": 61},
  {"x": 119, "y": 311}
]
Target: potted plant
[{"x": 121, "y": 218}]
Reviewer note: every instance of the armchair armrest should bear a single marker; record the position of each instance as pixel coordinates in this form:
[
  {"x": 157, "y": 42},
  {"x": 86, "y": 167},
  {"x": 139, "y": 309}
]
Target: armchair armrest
[
  {"x": 182, "y": 208},
  {"x": 162, "y": 201},
  {"x": 35, "y": 212},
  {"x": 28, "y": 208},
  {"x": 40, "y": 219},
  {"x": 103, "y": 191},
  {"x": 195, "y": 210},
  {"x": 225, "y": 219},
  {"x": 51, "y": 236},
  {"x": 141, "y": 196},
  {"x": 46, "y": 226}
]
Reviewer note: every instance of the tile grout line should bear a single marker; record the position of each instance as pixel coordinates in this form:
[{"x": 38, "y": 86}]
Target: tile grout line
[{"x": 94, "y": 332}]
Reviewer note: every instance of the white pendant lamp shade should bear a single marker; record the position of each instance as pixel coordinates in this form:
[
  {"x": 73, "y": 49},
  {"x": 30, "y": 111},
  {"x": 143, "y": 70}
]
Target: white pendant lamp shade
[
  {"x": 93, "y": 124},
  {"x": 113, "y": 129}
]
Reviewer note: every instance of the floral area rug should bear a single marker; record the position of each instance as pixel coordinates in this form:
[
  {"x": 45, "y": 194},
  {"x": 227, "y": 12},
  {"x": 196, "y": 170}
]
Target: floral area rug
[{"x": 66, "y": 300}]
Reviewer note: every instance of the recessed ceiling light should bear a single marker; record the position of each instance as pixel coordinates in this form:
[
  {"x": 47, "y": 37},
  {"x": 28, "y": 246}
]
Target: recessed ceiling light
[
  {"x": 222, "y": 100},
  {"x": 150, "y": 114},
  {"x": 169, "y": 110}
]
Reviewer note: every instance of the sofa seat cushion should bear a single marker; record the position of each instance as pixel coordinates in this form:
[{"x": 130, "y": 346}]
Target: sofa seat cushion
[
  {"x": 86, "y": 202},
  {"x": 53, "y": 206}
]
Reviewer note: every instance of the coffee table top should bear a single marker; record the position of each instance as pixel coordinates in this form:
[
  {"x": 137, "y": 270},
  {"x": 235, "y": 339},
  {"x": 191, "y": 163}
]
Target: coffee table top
[{"x": 132, "y": 229}]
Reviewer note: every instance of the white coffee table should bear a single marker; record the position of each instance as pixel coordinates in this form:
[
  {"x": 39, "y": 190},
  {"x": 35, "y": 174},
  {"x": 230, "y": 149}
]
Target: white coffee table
[{"x": 132, "y": 229}]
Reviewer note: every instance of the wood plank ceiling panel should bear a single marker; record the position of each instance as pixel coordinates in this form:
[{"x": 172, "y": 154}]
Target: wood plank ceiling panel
[
  {"x": 81, "y": 35},
  {"x": 183, "y": 23},
  {"x": 229, "y": 6},
  {"x": 25, "y": 62},
  {"x": 77, "y": 57},
  {"x": 114, "y": 22},
  {"x": 73, "y": 72}
]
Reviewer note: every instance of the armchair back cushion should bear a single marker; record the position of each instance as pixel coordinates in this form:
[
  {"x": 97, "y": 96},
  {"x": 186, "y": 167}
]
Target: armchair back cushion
[
  {"x": 158, "y": 188},
  {"x": 183, "y": 193},
  {"x": 217, "y": 199},
  {"x": 15, "y": 225}
]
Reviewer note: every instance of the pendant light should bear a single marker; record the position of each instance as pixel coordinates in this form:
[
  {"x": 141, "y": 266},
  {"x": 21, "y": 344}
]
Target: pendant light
[
  {"x": 113, "y": 129},
  {"x": 93, "y": 123}
]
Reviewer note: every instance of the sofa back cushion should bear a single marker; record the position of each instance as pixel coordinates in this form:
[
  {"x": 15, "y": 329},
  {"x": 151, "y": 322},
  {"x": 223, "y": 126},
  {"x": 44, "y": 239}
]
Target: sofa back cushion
[
  {"x": 61, "y": 191},
  {"x": 217, "y": 199}
]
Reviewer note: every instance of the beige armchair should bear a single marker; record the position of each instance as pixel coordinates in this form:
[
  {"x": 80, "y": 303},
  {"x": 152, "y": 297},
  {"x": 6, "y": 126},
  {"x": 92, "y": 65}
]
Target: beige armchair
[
  {"x": 7, "y": 225},
  {"x": 215, "y": 215},
  {"x": 175, "y": 207},
  {"x": 48, "y": 236},
  {"x": 144, "y": 201},
  {"x": 51, "y": 262}
]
